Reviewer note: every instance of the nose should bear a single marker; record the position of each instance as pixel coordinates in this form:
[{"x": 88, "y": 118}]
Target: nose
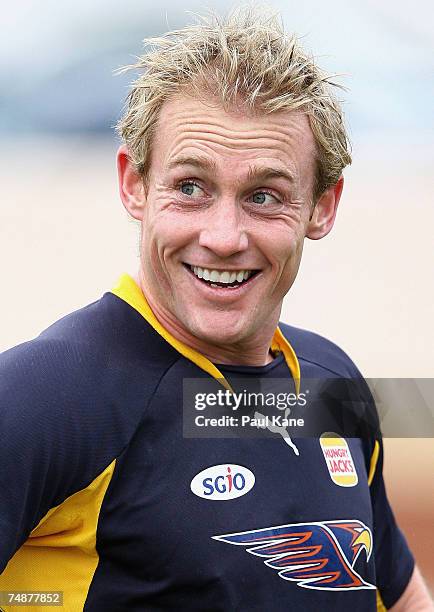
[{"x": 224, "y": 233}]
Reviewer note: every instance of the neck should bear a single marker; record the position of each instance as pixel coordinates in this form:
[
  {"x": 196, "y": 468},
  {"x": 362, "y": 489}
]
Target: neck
[{"x": 254, "y": 351}]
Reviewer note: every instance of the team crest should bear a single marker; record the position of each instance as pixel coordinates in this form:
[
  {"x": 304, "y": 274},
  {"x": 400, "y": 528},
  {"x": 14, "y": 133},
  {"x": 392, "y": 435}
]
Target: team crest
[{"x": 318, "y": 555}]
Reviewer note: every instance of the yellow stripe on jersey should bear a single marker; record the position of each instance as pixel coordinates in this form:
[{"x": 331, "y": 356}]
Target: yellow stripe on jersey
[
  {"x": 380, "y": 605},
  {"x": 130, "y": 292},
  {"x": 60, "y": 553},
  {"x": 374, "y": 460},
  {"x": 280, "y": 343}
]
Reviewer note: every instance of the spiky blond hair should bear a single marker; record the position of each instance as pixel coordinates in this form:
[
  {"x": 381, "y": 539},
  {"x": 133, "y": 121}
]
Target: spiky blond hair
[{"x": 246, "y": 55}]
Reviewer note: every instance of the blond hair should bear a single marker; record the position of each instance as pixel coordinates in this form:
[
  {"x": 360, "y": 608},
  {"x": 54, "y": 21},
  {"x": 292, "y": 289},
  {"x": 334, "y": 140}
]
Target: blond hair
[{"x": 248, "y": 56}]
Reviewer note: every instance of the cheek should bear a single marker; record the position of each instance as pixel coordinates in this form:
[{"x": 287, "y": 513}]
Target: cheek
[
  {"x": 289, "y": 271},
  {"x": 283, "y": 248},
  {"x": 163, "y": 239},
  {"x": 153, "y": 239},
  {"x": 287, "y": 253}
]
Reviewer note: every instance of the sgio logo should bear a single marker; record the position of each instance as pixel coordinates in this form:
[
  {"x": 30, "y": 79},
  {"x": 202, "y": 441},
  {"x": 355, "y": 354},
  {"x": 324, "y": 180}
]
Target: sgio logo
[{"x": 222, "y": 482}]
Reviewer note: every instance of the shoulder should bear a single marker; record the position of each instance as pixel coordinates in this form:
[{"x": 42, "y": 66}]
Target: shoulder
[
  {"x": 315, "y": 352},
  {"x": 75, "y": 379},
  {"x": 71, "y": 401},
  {"x": 113, "y": 333},
  {"x": 324, "y": 363},
  {"x": 107, "y": 338}
]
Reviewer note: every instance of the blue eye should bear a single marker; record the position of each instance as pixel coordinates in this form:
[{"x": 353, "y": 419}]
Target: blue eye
[
  {"x": 188, "y": 188},
  {"x": 260, "y": 197}
]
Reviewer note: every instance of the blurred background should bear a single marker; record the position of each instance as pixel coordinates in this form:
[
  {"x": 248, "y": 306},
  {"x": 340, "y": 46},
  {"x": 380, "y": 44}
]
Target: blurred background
[{"x": 368, "y": 286}]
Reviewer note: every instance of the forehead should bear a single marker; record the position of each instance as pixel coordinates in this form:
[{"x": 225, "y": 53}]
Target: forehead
[{"x": 192, "y": 126}]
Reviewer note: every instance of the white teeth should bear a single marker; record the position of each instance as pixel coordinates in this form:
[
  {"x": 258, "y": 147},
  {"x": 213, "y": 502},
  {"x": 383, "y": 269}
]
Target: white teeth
[{"x": 226, "y": 276}]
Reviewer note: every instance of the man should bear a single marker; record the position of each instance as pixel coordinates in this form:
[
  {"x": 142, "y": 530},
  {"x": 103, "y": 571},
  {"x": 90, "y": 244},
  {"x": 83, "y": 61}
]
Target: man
[{"x": 234, "y": 150}]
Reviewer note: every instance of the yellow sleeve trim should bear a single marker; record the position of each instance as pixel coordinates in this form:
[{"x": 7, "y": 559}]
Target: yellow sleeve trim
[
  {"x": 128, "y": 291},
  {"x": 380, "y": 605},
  {"x": 374, "y": 460}
]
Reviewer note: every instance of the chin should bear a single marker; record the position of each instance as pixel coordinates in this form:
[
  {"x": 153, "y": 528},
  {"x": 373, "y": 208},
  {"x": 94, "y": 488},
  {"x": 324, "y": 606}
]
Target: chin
[{"x": 219, "y": 332}]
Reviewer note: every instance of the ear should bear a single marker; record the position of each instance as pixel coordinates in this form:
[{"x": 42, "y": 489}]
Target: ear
[
  {"x": 324, "y": 214},
  {"x": 131, "y": 187}
]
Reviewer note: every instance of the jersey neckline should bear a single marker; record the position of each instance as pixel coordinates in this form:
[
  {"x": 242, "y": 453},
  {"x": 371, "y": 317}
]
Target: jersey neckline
[
  {"x": 253, "y": 370},
  {"x": 128, "y": 291}
]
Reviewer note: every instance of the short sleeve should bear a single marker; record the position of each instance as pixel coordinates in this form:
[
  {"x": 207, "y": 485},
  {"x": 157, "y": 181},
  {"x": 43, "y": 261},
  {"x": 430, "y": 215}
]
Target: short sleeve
[
  {"x": 32, "y": 450},
  {"x": 58, "y": 432},
  {"x": 394, "y": 561}
]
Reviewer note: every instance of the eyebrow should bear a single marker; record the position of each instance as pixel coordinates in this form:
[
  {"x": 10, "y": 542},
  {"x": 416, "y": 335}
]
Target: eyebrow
[
  {"x": 192, "y": 160},
  {"x": 261, "y": 173},
  {"x": 255, "y": 173}
]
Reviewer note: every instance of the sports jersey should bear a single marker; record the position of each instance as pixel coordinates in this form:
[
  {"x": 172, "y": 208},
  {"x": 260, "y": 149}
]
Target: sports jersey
[{"x": 105, "y": 499}]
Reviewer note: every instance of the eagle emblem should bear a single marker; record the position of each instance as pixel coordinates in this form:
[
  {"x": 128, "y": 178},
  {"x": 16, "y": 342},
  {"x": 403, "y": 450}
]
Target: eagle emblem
[{"x": 319, "y": 555}]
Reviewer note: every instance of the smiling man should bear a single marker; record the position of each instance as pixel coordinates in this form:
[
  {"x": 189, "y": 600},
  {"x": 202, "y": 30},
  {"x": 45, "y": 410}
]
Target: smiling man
[
  {"x": 226, "y": 207},
  {"x": 233, "y": 153}
]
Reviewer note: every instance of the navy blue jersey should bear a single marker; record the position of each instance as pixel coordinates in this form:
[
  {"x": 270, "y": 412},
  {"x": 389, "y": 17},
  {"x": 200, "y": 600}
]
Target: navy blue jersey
[{"x": 105, "y": 498}]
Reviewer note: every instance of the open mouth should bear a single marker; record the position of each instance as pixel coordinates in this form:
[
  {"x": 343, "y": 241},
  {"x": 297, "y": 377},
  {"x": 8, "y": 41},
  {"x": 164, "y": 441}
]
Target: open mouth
[{"x": 226, "y": 279}]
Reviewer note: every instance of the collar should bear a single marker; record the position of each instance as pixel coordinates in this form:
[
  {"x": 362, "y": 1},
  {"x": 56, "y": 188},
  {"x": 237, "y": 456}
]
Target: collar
[{"x": 128, "y": 291}]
